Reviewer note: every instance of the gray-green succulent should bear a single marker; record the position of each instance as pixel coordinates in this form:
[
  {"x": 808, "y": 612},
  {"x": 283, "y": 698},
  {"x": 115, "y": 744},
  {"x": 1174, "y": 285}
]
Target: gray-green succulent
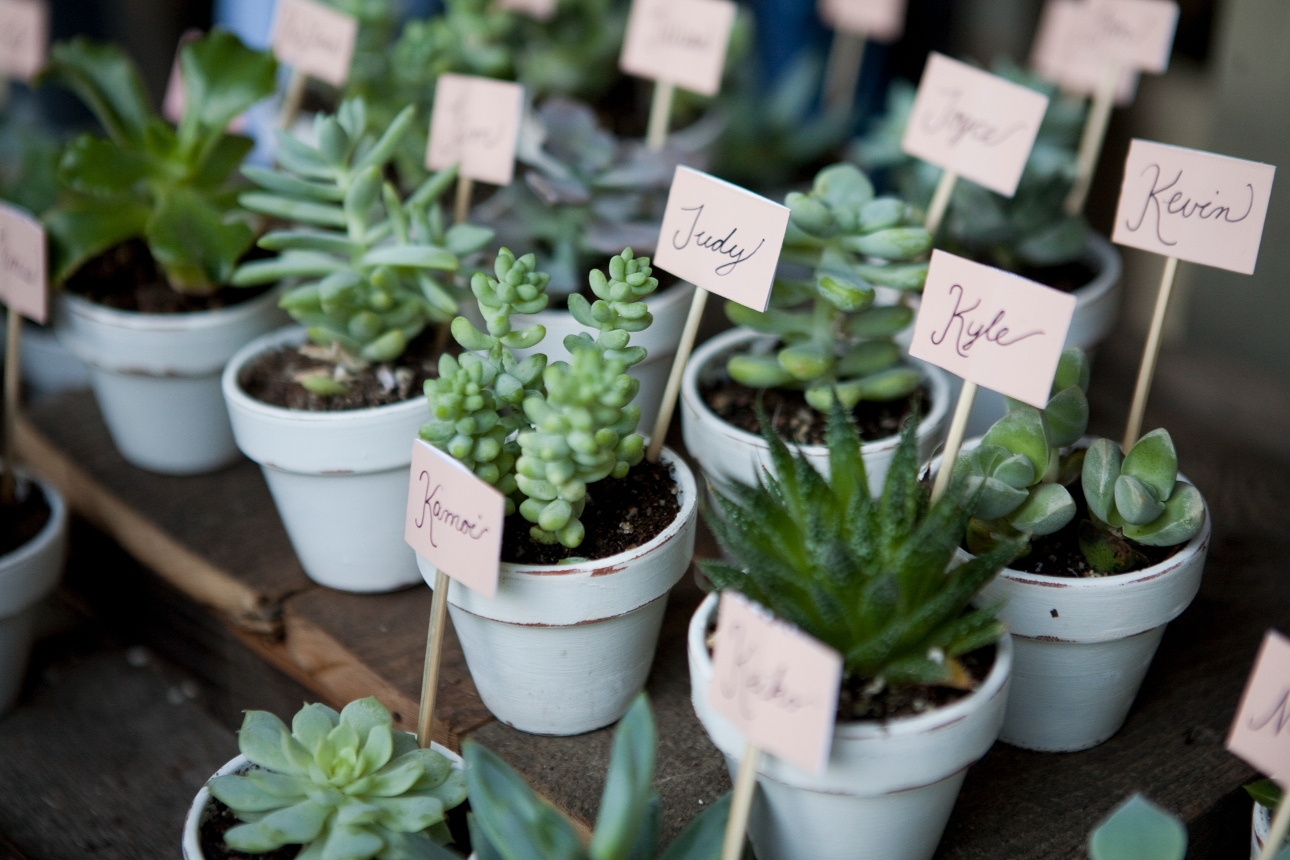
[{"x": 1137, "y": 829}]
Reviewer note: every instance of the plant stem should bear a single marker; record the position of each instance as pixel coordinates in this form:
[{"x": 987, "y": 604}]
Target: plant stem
[
  {"x": 434, "y": 655},
  {"x": 1147, "y": 371}
]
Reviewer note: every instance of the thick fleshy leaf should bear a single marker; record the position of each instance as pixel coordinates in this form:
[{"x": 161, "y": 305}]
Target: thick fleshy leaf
[
  {"x": 365, "y": 715},
  {"x": 390, "y": 781},
  {"x": 996, "y": 498},
  {"x": 1066, "y": 416},
  {"x": 261, "y": 740},
  {"x": 1101, "y": 468},
  {"x": 805, "y": 362},
  {"x": 1022, "y": 432},
  {"x": 96, "y": 165},
  {"x": 351, "y": 843},
  {"x": 627, "y": 785},
  {"x": 1154, "y": 462},
  {"x": 1072, "y": 369},
  {"x": 83, "y": 229},
  {"x": 885, "y": 321},
  {"x": 517, "y": 824},
  {"x": 294, "y": 825},
  {"x": 702, "y": 838},
  {"x": 312, "y": 724},
  {"x": 409, "y": 814},
  {"x": 1135, "y": 502},
  {"x": 463, "y": 239},
  {"x": 222, "y": 78},
  {"x": 195, "y": 243},
  {"x": 1183, "y": 517},
  {"x": 242, "y": 795},
  {"x": 107, "y": 81},
  {"x": 1138, "y": 830},
  {"x": 415, "y": 256},
  {"x": 1048, "y": 509}
]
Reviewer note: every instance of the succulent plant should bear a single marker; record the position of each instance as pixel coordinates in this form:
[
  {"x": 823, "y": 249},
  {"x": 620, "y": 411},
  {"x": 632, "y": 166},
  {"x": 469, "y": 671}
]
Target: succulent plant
[
  {"x": 867, "y": 577},
  {"x": 340, "y": 784},
  {"x": 1137, "y": 829},
  {"x": 510, "y": 822},
  {"x": 834, "y": 339}
]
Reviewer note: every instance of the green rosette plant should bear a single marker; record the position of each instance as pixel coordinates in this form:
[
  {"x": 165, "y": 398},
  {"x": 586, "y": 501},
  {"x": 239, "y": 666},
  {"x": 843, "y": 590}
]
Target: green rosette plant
[
  {"x": 169, "y": 186},
  {"x": 339, "y": 784},
  {"x": 833, "y": 339}
]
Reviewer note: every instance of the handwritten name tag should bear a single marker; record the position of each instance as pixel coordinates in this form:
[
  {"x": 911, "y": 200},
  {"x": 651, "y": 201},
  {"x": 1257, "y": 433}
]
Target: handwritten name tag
[
  {"x": 880, "y": 20},
  {"x": 1193, "y": 205},
  {"x": 721, "y": 237},
  {"x": 1261, "y": 731},
  {"x": 454, "y": 519},
  {"x": 991, "y": 327},
  {"x": 314, "y": 39},
  {"x": 1062, "y": 53},
  {"x": 24, "y": 38},
  {"x": 776, "y": 684},
  {"x": 681, "y": 42},
  {"x": 23, "y": 273},
  {"x": 974, "y": 123},
  {"x": 476, "y": 123},
  {"x": 542, "y": 10},
  {"x": 1140, "y": 33}
]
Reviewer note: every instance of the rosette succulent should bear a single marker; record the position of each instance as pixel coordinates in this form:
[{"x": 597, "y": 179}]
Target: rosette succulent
[{"x": 339, "y": 784}]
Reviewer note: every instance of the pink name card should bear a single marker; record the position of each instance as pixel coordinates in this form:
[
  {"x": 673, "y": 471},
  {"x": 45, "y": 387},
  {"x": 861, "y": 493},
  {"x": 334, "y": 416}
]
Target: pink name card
[
  {"x": 1193, "y": 205},
  {"x": 476, "y": 123},
  {"x": 315, "y": 39},
  {"x": 1261, "y": 731},
  {"x": 776, "y": 684},
  {"x": 454, "y": 519},
  {"x": 681, "y": 42},
  {"x": 880, "y": 20},
  {"x": 974, "y": 123},
  {"x": 1061, "y": 53},
  {"x": 991, "y": 327},
  {"x": 24, "y": 38},
  {"x": 721, "y": 237},
  {"x": 23, "y": 273},
  {"x": 1139, "y": 33},
  {"x": 542, "y": 10}
]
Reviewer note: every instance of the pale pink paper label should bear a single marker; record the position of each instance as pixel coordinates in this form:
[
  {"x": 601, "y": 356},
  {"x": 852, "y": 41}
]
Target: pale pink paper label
[
  {"x": 1260, "y": 733},
  {"x": 1062, "y": 54},
  {"x": 776, "y": 684},
  {"x": 721, "y": 237},
  {"x": 1140, "y": 33},
  {"x": 992, "y": 327},
  {"x": 476, "y": 123},
  {"x": 681, "y": 42},
  {"x": 880, "y": 20},
  {"x": 23, "y": 269},
  {"x": 313, "y": 38},
  {"x": 974, "y": 123},
  {"x": 1193, "y": 205},
  {"x": 24, "y": 38},
  {"x": 542, "y": 10},
  {"x": 454, "y": 519}
]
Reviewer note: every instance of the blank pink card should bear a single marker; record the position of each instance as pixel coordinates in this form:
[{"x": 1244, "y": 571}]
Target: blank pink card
[
  {"x": 476, "y": 123},
  {"x": 454, "y": 519},
  {"x": 1140, "y": 33},
  {"x": 681, "y": 42},
  {"x": 1260, "y": 733},
  {"x": 880, "y": 20},
  {"x": 542, "y": 10},
  {"x": 23, "y": 270},
  {"x": 974, "y": 123},
  {"x": 776, "y": 684},
  {"x": 24, "y": 38},
  {"x": 315, "y": 39},
  {"x": 992, "y": 327},
  {"x": 1193, "y": 205},
  {"x": 1062, "y": 54}
]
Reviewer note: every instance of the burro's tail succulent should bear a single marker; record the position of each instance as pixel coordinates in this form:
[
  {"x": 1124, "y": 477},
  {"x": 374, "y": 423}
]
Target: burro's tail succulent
[{"x": 340, "y": 784}]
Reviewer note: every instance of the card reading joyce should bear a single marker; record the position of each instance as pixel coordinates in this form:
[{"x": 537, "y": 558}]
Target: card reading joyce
[
  {"x": 542, "y": 10},
  {"x": 991, "y": 327},
  {"x": 315, "y": 39},
  {"x": 1260, "y": 733},
  {"x": 776, "y": 684},
  {"x": 476, "y": 123},
  {"x": 974, "y": 123},
  {"x": 681, "y": 42},
  {"x": 24, "y": 38},
  {"x": 721, "y": 237},
  {"x": 1193, "y": 205},
  {"x": 1062, "y": 53},
  {"x": 454, "y": 519},
  {"x": 23, "y": 272},
  {"x": 880, "y": 20}
]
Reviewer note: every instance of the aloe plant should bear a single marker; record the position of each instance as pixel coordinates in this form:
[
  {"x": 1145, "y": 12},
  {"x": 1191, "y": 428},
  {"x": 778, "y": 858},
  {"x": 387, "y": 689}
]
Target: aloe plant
[
  {"x": 834, "y": 339},
  {"x": 148, "y": 180},
  {"x": 1137, "y": 829}
]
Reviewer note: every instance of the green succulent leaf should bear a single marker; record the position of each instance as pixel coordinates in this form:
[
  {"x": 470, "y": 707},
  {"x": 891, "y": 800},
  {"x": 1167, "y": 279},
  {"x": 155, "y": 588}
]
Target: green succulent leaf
[
  {"x": 1138, "y": 830},
  {"x": 1072, "y": 370},
  {"x": 1048, "y": 509},
  {"x": 1135, "y": 502},
  {"x": 1182, "y": 519},
  {"x": 1022, "y": 432},
  {"x": 222, "y": 78},
  {"x": 1066, "y": 416},
  {"x": 1154, "y": 462},
  {"x": 108, "y": 83},
  {"x": 194, "y": 242},
  {"x": 628, "y": 789},
  {"x": 757, "y": 371},
  {"x": 1101, "y": 470},
  {"x": 82, "y": 230}
]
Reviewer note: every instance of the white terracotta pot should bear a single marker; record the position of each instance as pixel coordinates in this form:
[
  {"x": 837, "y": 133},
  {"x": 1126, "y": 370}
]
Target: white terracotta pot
[
  {"x": 727, "y": 454},
  {"x": 563, "y": 649},
  {"x": 889, "y": 787},
  {"x": 157, "y": 376},
  {"x": 27, "y": 575},
  {"x": 660, "y": 341},
  {"x": 339, "y": 479},
  {"x": 1260, "y": 827}
]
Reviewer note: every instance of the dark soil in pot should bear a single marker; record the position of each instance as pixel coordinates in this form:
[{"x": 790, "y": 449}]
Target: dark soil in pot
[
  {"x": 1067, "y": 277},
  {"x": 127, "y": 278},
  {"x": 22, "y": 519},
  {"x": 796, "y": 420}
]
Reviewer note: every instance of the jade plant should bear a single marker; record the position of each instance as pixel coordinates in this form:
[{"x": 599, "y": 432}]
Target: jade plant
[
  {"x": 833, "y": 338},
  {"x": 1137, "y": 829},
  {"x": 372, "y": 268},
  {"x": 342, "y": 784},
  {"x": 868, "y": 577},
  {"x": 169, "y": 186},
  {"x": 575, "y": 421},
  {"x": 510, "y": 822}
]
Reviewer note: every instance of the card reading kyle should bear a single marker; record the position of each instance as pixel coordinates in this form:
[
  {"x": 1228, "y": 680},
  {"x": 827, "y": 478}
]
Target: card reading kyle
[
  {"x": 1261, "y": 731},
  {"x": 721, "y": 237},
  {"x": 681, "y": 42},
  {"x": 315, "y": 39},
  {"x": 991, "y": 327},
  {"x": 454, "y": 519},
  {"x": 776, "y": 684},
  {"x": 542, "y": 10},
  {"x": 1062, "y": 52},
  {"x": 25, "y": 25},
  {"x": 880, "y": 20},
  {"x": 1193, "y": 205},
  {"x": 23, "y": 272},
  {"x": 476, "y": 123}
]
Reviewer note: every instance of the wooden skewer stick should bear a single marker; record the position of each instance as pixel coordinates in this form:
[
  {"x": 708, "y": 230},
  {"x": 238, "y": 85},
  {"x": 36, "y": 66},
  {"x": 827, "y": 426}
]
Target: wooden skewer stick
[
  {"x": 292, "y": 98},
  {"x": 1090, "y": 144},
  {"x": 954, "y": 441},
  {"x": 741, "y": 804},
  {"x": 12, "y": 384},
  {"x": 660, "y": 115},
  {"x": 461, "y": 207},
  {"x": 846, "y": 56},
  {"x": 940, "y": 202},
  {"x": 434, "y": 656},
  {"x": 673, "y": 388},
  {"x": 1147, "y": 370},
  {"x": 1277, "y": 832}
]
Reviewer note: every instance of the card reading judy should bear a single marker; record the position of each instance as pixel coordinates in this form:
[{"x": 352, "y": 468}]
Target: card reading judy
[
  {"x": 681, "y": 42},
  {"x": 314, "y": 38},
  {"x": 25, "y": 41},
  {"x": 1260, "y": 733},
  {"x": 974, "y": 123},
  {"x": 1193, "y": 205},
  {"x": 454, "y": 519},
  {"x": 880, "y": 20},
  {"x": 991, "y": 327},
  {"x": 776, "y": 684},
  {"x": 476, "y": 123},
  {"x": 721, "y": 237},
  {"x": 23, "y": 270}
]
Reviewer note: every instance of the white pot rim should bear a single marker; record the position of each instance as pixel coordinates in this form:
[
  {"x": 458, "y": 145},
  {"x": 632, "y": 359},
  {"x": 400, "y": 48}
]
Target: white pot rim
[
  {"x": 50, "y": 530},
  {"x": 183, "y": 321},
  {"x": 1101, "y": 255},
  {"x": 18, "y": 594}
]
